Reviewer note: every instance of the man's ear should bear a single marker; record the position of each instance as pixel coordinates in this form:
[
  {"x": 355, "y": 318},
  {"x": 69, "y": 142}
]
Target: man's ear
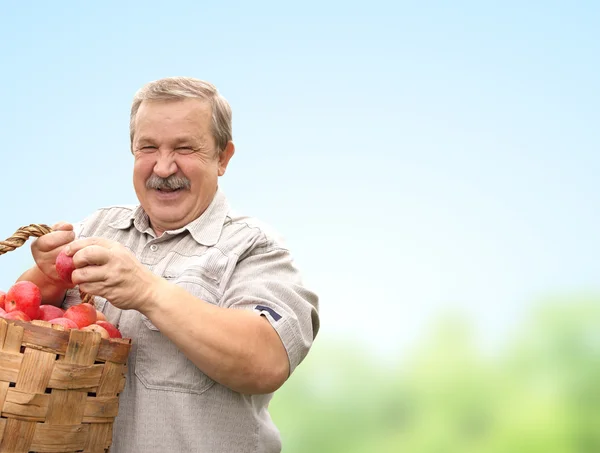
[{"x": 225, "y": 156}]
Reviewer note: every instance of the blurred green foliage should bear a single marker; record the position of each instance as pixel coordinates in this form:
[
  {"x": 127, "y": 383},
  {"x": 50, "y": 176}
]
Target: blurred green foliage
[{"x": 539, "y": 393}]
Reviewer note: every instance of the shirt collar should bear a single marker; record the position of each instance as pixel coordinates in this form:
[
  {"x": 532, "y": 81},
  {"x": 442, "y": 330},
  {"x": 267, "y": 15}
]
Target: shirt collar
[{"x": 205, "y": 230}]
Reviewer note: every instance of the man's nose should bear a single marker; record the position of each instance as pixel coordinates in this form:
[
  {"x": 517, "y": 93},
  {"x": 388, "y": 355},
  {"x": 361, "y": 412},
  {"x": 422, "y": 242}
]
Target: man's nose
[{"x": 165, "y": 165}]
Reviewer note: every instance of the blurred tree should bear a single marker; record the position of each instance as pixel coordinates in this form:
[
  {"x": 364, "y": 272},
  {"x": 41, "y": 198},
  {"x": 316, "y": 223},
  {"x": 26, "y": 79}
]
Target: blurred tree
[
  {"x": 556, "y": 360},
  {"x": 539, "y": 394}
]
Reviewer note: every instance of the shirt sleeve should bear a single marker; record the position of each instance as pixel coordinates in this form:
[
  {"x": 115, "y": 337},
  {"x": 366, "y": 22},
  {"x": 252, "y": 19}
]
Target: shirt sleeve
[{"x": 267, "y": 282}]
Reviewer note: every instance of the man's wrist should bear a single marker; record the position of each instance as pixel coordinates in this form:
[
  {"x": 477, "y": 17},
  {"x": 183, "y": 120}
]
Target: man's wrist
[
  {"x": 155, "y": 295},
  {"x": 56, "y": 283}
]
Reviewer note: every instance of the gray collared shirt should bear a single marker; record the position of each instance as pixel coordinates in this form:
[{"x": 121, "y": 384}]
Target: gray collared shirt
[{"x": 233, "y": 261}]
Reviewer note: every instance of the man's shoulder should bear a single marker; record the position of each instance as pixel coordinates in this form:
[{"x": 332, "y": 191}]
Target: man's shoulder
[{"x": 264, "y": 233}]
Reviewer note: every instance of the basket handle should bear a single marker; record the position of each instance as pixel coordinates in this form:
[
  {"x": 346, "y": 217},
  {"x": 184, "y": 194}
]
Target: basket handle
[{"x": 20, "y": 237}]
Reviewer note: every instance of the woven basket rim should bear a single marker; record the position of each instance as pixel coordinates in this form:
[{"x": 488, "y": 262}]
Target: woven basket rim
[{"x": 43, "y": 337}]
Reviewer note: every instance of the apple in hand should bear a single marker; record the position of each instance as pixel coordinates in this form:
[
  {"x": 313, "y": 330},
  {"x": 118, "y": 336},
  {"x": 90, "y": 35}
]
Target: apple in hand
[
  {"x": 83, "y": 315},
  {"x": 64, "y": 266},
  {"x": 24, "y": 296}
]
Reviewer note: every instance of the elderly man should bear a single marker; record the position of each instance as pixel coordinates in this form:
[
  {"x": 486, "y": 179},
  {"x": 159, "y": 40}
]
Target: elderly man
[{"x": 217, "y": 311}]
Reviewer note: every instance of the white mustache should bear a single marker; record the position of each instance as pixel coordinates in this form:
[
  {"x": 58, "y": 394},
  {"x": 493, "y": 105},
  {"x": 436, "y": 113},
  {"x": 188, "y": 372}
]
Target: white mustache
[{"x": 173, "y": 182}]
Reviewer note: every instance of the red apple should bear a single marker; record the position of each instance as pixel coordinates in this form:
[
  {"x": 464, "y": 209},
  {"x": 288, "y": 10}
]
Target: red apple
[
  {"x": 110, "y": 328},
  {"x": 64, "y": 266},
  {"x": 83, "y": 315},
  {"x": 48, "y": 312},
  {"x": 96, "y": 328},
  {"x": 2, "y": 312},
  {"x": 2, "y": 297},
  {"x": 24, "y": 296},
  {"x": 17, "y": 314},
  {"x": 100, "y": 316},
  {"x": 66, "y": 323}
]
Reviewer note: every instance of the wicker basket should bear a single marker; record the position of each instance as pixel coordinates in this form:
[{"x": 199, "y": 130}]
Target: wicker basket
[{"x": 58, "y": 389}]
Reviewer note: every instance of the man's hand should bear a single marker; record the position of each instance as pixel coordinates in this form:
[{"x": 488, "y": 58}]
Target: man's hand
[
  {"x": 107, "y": 269},
  {"x": 46, "y": 248}
]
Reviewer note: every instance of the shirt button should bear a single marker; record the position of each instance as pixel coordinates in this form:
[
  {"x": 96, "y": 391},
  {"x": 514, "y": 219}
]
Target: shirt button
[{"x": 154, "y": 247}]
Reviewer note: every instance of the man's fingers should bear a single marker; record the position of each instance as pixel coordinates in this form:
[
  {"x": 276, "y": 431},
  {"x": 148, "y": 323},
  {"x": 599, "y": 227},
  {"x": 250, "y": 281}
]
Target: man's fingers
[
  {"x": 91, "y": 255},
  {"x": 62, "y": 226},
  {"x": 87, "y": 275},
  {"x": 54, "y": 240},
  {"x": 80, "y": 244}
]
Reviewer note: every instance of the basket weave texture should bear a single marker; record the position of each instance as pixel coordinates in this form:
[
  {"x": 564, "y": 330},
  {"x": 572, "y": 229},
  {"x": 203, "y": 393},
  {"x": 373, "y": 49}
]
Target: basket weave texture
[{"x": 59, "y": 389}]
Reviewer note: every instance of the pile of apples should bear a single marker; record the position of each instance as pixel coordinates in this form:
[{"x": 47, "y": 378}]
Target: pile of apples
[{"x": 23, "y": 302}]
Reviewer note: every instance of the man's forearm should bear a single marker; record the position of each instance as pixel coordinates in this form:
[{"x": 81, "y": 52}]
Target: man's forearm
[
  {"x": 52, "y": 292},
  {"x": 236, "y": 348}
]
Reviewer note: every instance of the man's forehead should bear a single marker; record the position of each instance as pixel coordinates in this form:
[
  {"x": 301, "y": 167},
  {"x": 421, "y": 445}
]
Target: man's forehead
[{"x": 186, "y": 119}]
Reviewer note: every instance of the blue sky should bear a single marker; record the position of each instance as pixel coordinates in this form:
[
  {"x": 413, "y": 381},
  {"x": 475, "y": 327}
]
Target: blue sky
[{"x": 416, "y": 155}]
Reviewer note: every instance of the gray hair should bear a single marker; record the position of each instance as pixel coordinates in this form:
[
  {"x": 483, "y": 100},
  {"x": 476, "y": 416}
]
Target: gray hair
[{"x": 173, "y": 88}]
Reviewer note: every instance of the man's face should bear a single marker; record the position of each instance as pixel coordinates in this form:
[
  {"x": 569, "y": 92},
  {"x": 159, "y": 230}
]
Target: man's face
[{"x": 173, "y": 139}]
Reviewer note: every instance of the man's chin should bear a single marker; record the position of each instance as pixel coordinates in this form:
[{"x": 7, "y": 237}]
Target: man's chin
[{"x": 169, "y": 218}]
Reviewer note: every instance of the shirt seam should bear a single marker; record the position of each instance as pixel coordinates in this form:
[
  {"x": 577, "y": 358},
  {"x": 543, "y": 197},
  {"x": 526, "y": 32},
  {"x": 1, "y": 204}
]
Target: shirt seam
[{"x": 265, "y": 238}]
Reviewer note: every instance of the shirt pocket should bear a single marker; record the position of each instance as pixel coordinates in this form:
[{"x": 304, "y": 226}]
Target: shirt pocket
[
  {"x": 200, "y": 274},
  {"x": 159, "y": 364}
]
